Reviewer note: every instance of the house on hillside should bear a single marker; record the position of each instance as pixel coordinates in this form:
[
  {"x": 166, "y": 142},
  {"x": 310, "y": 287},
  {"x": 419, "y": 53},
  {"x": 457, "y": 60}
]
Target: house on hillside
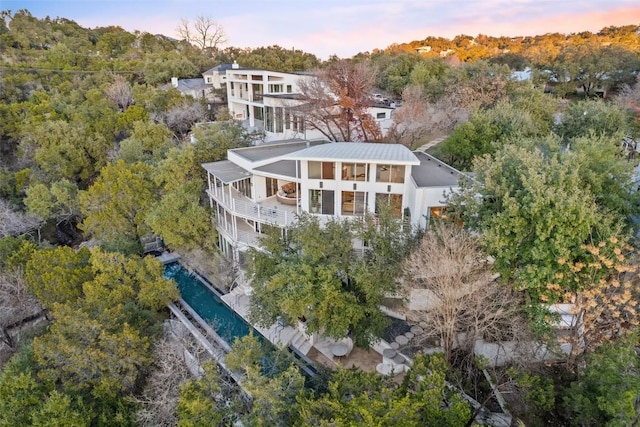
[
  {"x": 271, "y": 184},
  {"x": 270, "y": 101},
  {"x": 196, "y": 88},
  {"x": 217, "y": 76}
]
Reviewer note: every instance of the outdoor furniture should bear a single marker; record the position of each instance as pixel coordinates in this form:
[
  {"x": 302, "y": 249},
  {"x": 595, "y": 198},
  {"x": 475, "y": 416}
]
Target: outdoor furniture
[{"x": 339, "y": 349}]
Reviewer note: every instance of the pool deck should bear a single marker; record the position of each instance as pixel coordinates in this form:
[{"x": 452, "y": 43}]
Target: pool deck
[
  {"x": 320, "y": 350},
  {"x": 168, "y": 257}
]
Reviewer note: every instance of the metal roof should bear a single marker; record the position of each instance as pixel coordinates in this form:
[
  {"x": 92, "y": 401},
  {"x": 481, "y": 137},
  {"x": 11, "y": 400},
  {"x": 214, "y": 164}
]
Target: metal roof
[
  {"x": 273, "y": 149},
  {"x": 359, "y": 152},
  {"x": 283, "y": 167},
  {"x": 226, "y": 171},
  {"x": 433, "y": 173}
]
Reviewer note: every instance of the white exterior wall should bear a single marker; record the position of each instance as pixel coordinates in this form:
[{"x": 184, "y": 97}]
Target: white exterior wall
[{"x": 243, "y": 94}]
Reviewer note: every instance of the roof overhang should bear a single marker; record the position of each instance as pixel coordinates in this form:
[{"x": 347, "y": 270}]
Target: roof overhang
[{"x": 226, "y": 171}]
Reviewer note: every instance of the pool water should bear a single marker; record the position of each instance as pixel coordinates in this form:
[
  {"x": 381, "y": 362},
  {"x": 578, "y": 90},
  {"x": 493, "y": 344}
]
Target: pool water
[
  {"x": 204, "y": 300},
  {"x": 207, "y": 304}
]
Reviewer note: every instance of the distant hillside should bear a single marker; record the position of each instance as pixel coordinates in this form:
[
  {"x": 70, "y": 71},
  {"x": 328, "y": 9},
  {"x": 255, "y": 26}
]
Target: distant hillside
[{"x": 468, "y": 49}]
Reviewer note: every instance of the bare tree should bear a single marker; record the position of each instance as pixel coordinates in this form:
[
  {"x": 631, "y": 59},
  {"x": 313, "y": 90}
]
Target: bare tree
[
  {"x": 16, "y": 223},
  {"x": 119, "y": 93},
  {"x": 181, "y": 117},
  {"x": 205, "y": 33},
  {"x": 17, "y": 305},
  {"x": 160, "y": 396},
  {"x": 464, "y": 300},
  {"x": 337, "y": 100}
]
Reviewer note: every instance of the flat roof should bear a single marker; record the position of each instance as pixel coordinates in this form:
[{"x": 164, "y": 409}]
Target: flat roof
[
  {"x": 226, "y": 171},
  {"x": 273, "y": 149},
  {"x": 433, "y": 173},
  {"x": 366, "y": 152},
  {"x": 282, "y": 167}
]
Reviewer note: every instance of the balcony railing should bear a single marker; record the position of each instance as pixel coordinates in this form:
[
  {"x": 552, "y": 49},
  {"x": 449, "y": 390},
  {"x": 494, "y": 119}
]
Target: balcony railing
[{"x": 243, "y": 207}]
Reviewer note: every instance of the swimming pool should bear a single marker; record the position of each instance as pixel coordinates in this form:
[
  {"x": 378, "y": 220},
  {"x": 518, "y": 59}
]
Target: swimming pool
[{"x": 204, "y": 300}]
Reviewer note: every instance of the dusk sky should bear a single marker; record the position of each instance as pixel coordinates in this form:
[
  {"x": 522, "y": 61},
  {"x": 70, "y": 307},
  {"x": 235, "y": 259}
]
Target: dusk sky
[{"x": 344, "y": 27}]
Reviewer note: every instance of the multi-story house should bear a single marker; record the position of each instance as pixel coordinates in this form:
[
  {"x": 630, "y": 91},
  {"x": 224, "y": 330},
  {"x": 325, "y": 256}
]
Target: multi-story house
[
  {"x": 270, "y": 184},
  {"x": 267, "y": 100}
]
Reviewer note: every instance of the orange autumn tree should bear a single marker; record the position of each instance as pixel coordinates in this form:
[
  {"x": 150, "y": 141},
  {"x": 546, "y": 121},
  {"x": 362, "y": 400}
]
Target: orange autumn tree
[{"x": 606, "y": 299}]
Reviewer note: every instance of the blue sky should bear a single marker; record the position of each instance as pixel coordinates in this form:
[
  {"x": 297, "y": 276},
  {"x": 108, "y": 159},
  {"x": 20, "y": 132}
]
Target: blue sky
[{"x": 344, "y": 27}]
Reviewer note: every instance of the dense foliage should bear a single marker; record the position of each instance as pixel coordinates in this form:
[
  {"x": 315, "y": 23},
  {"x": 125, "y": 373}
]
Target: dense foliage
[{"x": 92, "y": 146}]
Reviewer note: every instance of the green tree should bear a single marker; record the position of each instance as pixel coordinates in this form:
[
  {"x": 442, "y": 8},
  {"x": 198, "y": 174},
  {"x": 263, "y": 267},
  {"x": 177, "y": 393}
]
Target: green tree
[
  {"x": 274, "y": 386},
  {"x": 181, "y": 220},
  {"x": 590, "y": 66},
  {"x": 487, "y": 130},
  {"x": 64, "y": 150},
  {"x": 312, "y": 272},
  {"x": 120, "y": 280},
  {"x": 359, "y": 398},
  {"x": 534, "y": 212},
  {"x": 118, "y": 201},
  {"x": 148, "y": 143},
  {"x": 57, "y": 275},
  {"x": 606, "y": 390},
  {"x": 202, "y": 403},
  {"x": 587, "y": 117},
  {"x": 397, "y": 74},
  {"x": 59, "y": 411},
  {"x": 58, "y": 202}
]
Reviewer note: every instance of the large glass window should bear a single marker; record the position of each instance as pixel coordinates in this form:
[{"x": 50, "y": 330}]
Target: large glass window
[
  {"x": 243, "y": 186},
  {"x": 354, "y": 203},
  {"x": 258, "y": 113},
  {"x": 322, "y": 170},
  {"x": 354, "y": 171},
  {"x": 279, "y": 118},
  {"x": 272, "y": 186},
  {"x": 268, "y": 119},
  {"x": 321, "y": 201},
  {"x": 390, "y": 173}
]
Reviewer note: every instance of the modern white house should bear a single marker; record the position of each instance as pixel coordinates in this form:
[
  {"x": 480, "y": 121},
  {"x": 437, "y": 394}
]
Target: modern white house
[
  {"x": 267, "y": 100},
  {"x": 272, "y": 183}
]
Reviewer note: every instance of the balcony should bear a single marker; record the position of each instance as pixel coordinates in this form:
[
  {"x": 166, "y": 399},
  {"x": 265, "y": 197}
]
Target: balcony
[{"x": 268, "y": 211}]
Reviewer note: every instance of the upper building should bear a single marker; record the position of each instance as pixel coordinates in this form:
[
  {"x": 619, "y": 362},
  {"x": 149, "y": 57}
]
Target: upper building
[
  {"x": 271, "y": 184},
  {"x": 268, "y": 100}
]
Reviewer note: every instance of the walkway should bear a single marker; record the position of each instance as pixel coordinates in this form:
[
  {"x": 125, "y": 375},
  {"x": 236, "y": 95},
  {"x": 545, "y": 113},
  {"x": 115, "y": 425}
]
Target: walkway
[{"x": 432, "y": 143}]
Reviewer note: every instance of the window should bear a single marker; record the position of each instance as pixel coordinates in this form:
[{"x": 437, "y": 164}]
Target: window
[
  {"x": 287, "y": 120},
  {"x": 268, "y": 119},
  {"x": 354, "y": 171},
  {"x": 273, "y": 88},
  {"x": 208, "y": 79},
  {"x": 298, "y": 124},
  {"x": 243, "y": 186},
  {"x": 390, "y": 173},
  {"x": 272, "y": 186},
  {"x": 354, "y": 203},
  {"x": 289, "y": 89},
  {"x": 279, "y": 124},
  {"x": 258, "y": 112},
  {"x": 321, "y": 201},
  {"x": 381, "y": 116},
  {"x": 322, "y": 170}
]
